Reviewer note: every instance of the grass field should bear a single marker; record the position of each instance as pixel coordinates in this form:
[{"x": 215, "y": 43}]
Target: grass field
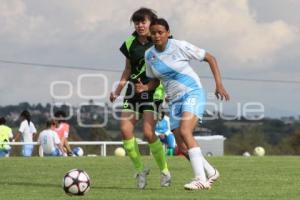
[{"x": 112, "y": 178}]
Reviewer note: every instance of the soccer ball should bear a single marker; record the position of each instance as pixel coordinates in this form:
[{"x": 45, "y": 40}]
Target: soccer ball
[
  {"x": 77, "y": 151},
  {"x": 120, "y": 152},
  {"x": 246, "y": 154},
  {"x": 259, "y": 151},
  {"x": 76, "y": 182}
]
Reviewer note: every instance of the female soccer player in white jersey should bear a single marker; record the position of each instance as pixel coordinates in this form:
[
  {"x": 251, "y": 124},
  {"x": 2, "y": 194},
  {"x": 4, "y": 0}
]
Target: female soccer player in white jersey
[
  {"x": 27, "y": 130},
  {"x": 168, "y": 61}
]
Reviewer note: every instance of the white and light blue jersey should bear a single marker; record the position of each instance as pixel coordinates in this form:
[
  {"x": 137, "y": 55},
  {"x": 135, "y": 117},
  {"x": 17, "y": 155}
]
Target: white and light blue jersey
[
  {"x": 49, "y": 141},
  {"x": 172, "y": 67},
  {"x": 163, "y": 126}
]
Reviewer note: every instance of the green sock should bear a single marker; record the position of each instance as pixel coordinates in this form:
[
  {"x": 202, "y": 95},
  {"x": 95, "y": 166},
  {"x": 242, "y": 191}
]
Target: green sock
[
  {"x": 133, "y": 152},
  {"x": 158, "y": 153}
]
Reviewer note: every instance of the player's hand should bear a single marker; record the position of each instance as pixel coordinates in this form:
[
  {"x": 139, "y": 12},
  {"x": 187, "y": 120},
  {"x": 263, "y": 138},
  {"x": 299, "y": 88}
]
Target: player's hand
[
  {"x": 140, "y": 87},
  {"x": 221, "y": 93},
  {"x": 113, "y": 96},
  {"x": 162, "y": 136}
]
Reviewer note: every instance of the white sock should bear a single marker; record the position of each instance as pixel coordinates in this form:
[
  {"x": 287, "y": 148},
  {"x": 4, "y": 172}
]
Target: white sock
[
  {"x": 210, "y": 170},
  {"x": 197, "y": 163}
]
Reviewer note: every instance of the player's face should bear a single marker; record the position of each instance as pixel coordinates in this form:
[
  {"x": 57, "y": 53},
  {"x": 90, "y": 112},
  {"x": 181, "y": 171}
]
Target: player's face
[
  {"x": 142, "y": 27},
  {"x": 159, "y": 36}
]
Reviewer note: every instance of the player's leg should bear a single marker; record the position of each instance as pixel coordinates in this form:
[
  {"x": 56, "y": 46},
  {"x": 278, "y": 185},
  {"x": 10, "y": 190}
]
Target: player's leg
[
  {"x": 2, "y": 153},
  {"x": 192, "y": 110},
  {"x": 156, "y": 147},
  {"x": 171, "y": 143},
  {"x": 212, "y": 173},
  {"x": 27, "y": 150},
  {"x": 155, "y": 144},
  {"x": 180, "y": 144},
  {"x": 195, "y": 103},
  {"x": 185, "y": 129},
  {"x": 175, "y": 117},
  {"x": 128, "y": 121},
  {"x": 163, "y": 139},
  {"x": 67, "y": 147}
]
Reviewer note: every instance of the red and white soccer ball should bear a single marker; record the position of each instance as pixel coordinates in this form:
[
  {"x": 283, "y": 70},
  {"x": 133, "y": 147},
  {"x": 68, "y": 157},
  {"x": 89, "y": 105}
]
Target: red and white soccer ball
[{"x": 76, "y": 182}]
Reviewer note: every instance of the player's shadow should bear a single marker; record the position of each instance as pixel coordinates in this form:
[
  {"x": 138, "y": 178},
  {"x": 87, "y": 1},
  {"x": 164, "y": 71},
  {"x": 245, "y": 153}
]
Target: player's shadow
[
  {"x": 30, "y": 184},
  {"x": 24, "y": 184},
  {"x": 120, "y": 188}
]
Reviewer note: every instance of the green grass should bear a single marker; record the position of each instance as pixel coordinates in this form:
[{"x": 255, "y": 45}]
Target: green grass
[{"x": 112, "y": 178}]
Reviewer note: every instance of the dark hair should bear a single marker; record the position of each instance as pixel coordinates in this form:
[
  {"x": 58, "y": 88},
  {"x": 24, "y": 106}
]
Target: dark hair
[
  {"x": 142, "y": 13},
  {"x": 162, "y": 22},
  {"x": 2, "y": 121},
  {"x": 50, "y": 122},
  {"x": 26, "y": 115},
  {"x": 162, "y": 114},
  {"x": 60, "y": 116}
]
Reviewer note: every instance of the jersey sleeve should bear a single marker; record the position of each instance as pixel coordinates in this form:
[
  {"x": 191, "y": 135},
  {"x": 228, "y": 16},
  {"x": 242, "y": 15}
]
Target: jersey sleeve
[
  {"x": 124, "y": 50},
  {"x": 168, "y": 124},
  {"x": 56, "y": 138},
  {"x": 66, "y": 134},
  {"x": 149, "y": 72},
  {"x": 22, "y": 127},
  {"x": 10, "y": 134},
  {"x": 32, "y": 128},
  {"x": 192, "y": 52},
  {"x": 66, "y": 130}
]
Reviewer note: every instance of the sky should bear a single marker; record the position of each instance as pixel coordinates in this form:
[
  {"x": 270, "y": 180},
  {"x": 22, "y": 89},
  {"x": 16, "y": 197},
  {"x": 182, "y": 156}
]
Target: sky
[{"x": 257, "y": 39}]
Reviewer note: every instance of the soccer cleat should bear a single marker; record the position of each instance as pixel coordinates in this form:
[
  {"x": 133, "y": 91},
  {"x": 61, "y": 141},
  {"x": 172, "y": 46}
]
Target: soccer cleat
[
  {"x": 165, "y": 179},
  {"x": 211, "y": 179},
  {"x": 71, "y": 154},
  {"x": 196, "y": 184},
  {"x": 141, "y": 178}
]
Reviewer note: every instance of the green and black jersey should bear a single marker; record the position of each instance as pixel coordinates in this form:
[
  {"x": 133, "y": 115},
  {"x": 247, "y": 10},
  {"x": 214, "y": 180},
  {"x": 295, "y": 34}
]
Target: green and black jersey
[{"x": 134, "y": 50}]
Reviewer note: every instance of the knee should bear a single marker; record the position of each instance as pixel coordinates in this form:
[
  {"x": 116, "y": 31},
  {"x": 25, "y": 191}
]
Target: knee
[
  {"x": 149, "y": 134},
  {"x": 148, "y": 131},
  {"x": 185, "y": 131},
  {"x": 126, "y": 129}
]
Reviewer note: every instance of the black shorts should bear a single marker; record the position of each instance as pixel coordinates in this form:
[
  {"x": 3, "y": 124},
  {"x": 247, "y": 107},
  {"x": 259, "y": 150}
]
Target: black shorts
[{"x": 141, "y": 106}]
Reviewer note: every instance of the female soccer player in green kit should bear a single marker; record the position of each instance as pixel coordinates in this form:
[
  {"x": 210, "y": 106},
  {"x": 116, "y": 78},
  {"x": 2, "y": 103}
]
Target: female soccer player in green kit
[
  {"x": 142, "y": 104},
  {"x": 168, "y": 61}
]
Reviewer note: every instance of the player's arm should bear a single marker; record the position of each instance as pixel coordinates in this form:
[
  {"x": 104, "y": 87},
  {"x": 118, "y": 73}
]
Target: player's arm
[
  {"x": 19, "y": 132},
  {"x": 17, "y": 136},
  {"x": 220, "y": 92},
  {"x": 124, "y": 78},
  {"x": 151, "y": 85},
  {"x": 10, "y": 136},
  {"x": 59, "y": 144},
  {"x": 34, "y": 136},
  {"x": 61, "y": 148},
  {"x": 40, "y": 149},
  {"x": 34, "y": 131},
  {"x": 67, "y": 146}
]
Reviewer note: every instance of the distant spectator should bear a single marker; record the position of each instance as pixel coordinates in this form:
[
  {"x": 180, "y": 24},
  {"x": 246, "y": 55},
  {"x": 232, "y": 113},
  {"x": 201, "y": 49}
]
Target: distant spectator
[
  {"x": 163, "y": 131},
  {"x": 27, "y": 130},
  {"x": 5, "y": 136},
  {"x": 62, "y": 131},
  {"x": 49, "y": 142}
]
